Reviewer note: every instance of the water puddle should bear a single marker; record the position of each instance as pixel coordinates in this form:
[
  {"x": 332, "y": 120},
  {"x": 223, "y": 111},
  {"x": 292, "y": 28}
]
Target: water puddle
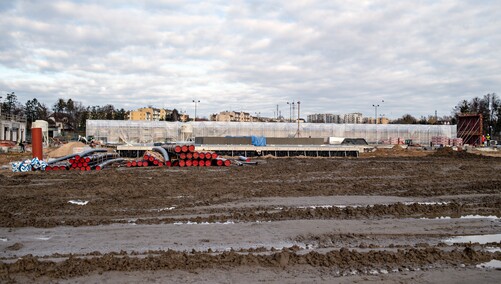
[
  {"x": 481, "y": 239},
  {"x": 496, "y": 264}
]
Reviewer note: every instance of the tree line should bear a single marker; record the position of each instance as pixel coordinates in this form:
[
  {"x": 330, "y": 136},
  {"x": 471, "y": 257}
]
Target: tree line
[{"x": 76, "y": 114}]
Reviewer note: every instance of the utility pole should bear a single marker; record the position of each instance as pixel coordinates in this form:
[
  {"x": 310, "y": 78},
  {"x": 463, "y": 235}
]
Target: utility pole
[{"x": 277, "y": 113}]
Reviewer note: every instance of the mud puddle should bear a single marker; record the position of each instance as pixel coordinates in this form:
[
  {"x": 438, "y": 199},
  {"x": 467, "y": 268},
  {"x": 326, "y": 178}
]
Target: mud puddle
[{"x": 481, "y": 239}]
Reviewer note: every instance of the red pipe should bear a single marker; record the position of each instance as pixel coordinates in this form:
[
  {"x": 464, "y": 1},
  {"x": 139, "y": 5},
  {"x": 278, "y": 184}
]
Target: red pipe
[
  {"x": 182, "y": 156},
  {"x": 195, "y": 155},
  {"x": 184, "y": 148},
  {"x": 189, "y": 156},
  {"x": 208, "y": 163},
  {"x": 189, "y": 163},
  {"x": 182, "y": 163},
  {"x": 208, "y": 156},
  {"x": 168, "y": 164},
  {"x": 214, "y": 155},
  {"x": 195, "y": 163},
  {"x": 191, "y": 148},
  {"x": 36, "y": 143}
]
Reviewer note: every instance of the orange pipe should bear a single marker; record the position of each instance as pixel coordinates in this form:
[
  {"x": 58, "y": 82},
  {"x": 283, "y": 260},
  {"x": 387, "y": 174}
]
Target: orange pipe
[{"x": 36, "y": 143}]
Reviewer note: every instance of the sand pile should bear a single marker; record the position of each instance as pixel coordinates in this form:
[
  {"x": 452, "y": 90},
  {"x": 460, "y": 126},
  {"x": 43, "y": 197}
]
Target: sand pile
[{"x": 65, "y": 149}]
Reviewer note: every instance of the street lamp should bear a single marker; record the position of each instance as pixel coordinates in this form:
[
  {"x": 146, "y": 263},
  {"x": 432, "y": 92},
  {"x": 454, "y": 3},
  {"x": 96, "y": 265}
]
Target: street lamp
[
  {"x": 257, "y": 115},
  {"x": 196, "y": 102},
  {"x": 375, "y": 117},
  {"x": 291, "y": 109},
  {"x": 298, "y": 116}
]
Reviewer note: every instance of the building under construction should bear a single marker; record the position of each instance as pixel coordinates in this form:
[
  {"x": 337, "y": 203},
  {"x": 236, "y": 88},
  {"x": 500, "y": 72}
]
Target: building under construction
[{"x": 470, "y": 128}]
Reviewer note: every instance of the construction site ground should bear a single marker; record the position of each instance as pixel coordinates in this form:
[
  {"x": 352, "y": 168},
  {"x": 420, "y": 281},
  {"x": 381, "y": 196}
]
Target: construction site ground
[{"x": 392, "y": 215}]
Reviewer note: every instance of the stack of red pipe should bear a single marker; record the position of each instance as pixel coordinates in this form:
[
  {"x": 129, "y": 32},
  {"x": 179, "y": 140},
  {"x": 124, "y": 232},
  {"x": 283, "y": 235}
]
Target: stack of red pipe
[
  {"x": 81, "y": 163},
  {"x": 150, "y": 158},
  {"x": 186, "y": 156}
]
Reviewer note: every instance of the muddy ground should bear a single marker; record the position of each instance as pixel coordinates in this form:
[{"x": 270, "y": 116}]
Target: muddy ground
[{"x": 394, "y": 216}]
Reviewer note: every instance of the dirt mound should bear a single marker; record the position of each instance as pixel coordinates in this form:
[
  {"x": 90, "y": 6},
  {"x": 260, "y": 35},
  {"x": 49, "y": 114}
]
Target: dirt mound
[
  {"x": 66, "y": 149},
  {"x": 395, "y": 151},
  {"x": 448, "y": 152}
]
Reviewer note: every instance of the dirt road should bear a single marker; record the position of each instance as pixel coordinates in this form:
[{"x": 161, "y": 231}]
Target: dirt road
[{"x": 406, "y": 218}]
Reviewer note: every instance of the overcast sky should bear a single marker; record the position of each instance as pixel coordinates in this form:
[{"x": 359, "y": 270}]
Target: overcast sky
[{"x": 333, "y": 56}]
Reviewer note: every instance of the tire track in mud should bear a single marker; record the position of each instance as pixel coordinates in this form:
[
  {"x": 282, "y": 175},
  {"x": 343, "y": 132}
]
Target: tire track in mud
[
  {"x": 343, "y": 260},
  {"x": 263, "y": 214}
]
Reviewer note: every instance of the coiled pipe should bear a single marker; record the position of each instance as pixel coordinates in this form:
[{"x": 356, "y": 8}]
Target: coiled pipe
[
  {"x": 101, "y": 166},
  {"x": 163, "y": 152}
]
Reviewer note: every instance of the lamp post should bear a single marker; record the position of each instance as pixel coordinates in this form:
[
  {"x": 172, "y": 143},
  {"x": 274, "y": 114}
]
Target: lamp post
[
  {"x": 375, "y": 117},
  {"x": 257, "y": 115},
  {"x": 196, "y": 102},
  {"x": 298, "y": 116},
  {"x": 291, "y": 110}
]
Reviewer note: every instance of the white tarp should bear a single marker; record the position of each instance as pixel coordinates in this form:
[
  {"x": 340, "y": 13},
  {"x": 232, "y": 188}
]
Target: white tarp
[{"x": 145, "y": 132}]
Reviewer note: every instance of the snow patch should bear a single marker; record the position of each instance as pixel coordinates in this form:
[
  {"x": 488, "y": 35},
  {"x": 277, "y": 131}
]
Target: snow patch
[
  {"x": 496, "y": 264},
  {"x": 78, "y": 202},
  {"x": 479, "y": 217},
  {"x": 204, "y": 223},
  {"x": 426, "y": 203},
  {"x": 43, "y": 238},
  {"x": 4, "y": 239}
]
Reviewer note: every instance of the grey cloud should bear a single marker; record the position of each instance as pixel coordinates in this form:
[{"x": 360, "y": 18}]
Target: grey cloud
[{"x": 334, "y": 56}]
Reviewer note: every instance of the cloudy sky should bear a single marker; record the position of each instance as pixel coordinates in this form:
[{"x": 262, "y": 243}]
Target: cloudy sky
[{"x": 333, "y": 56}]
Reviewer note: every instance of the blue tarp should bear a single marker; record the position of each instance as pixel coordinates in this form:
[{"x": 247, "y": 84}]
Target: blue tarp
[
  {"x": 258, "y": 140},
  {"x": 255, "y": 140}
]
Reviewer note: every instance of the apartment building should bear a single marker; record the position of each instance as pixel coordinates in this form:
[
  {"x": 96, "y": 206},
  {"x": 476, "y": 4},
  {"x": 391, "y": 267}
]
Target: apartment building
[
  {"x": 239, "y": 116},
  {"x": 353, "y": 118},
  {"x": 324, "y": 118},
  {"x": 149, "y": 114}
]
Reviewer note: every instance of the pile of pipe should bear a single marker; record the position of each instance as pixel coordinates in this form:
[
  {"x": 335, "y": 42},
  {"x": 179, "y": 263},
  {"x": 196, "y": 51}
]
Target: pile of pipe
[
  {"x": 158, "y": 157},
  {"x": 94, "y": 159},
  {"x": 29, "y": 165},
  {"x": 186, "y": 156}
]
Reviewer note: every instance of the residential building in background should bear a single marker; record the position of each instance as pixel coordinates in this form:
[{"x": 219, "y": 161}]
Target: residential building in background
[
  {"x": 149, "y": 114},
  {"x": 353, "y": 118},
  {"x": 324, "y": 118},
  {"x": 239, "y": 116},
  {"x": 380, "y": 120}
]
